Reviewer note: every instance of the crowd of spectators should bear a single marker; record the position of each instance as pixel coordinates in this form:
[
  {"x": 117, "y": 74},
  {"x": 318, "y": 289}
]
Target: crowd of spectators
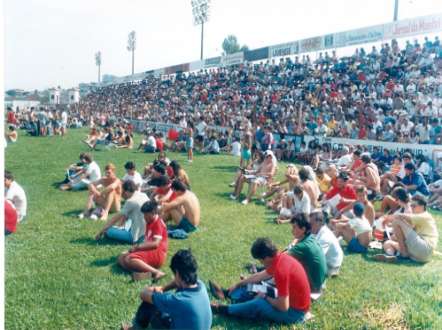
[{"x": 387, "y": 94}]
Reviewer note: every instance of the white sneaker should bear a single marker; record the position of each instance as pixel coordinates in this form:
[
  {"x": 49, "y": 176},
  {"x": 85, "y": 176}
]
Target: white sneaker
[
  {"x": 81, "y": 215},
  {"x": 232, "y": 197},
  {"x": 94, "y": 217},
  {"x": 245, "y": 202}
]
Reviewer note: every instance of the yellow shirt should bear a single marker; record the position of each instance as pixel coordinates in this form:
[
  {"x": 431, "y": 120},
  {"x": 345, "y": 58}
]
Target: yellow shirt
[
  {"x": 324, "y": 183},
  {"x": 425, "y": 227}
]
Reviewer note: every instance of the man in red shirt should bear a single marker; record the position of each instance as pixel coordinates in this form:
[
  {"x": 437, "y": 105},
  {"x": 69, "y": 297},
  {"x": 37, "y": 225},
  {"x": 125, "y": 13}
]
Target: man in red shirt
[
  {"x": 346, "y": 192},
  {"x": 288, "y": 304},
  {"x": 144, "y": 259},
  {"x": 10, "y": 218}
]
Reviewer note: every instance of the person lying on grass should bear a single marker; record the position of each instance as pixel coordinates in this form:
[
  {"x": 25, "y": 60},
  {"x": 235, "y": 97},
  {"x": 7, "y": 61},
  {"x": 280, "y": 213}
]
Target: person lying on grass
[
  {"x": 356, "y": 231},
  {"x": 415, "y": 234},
  {"x": 306, "y": 249},
  {"x": 105, "y": 194},
  {"x": 184, "y": 210},
  {"x": 145, "y": 259},
  {"x": 288, "y": 303},
  {"x": 128, "y": 225},
  {"x": 186, "y": 308}
]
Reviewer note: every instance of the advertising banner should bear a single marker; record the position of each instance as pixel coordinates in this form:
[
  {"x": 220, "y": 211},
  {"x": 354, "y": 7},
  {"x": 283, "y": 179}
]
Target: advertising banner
[
  {"x": 257, "y": 54},
  {"x": 414, "y": 26},
  {"x": 233, "y": 59},
  {"x": 212, "y": 62},
  {"x": 359, "y": 36},
  {"x": 284, "y": 49},
  {"x": 310, "y": 45},
  {"x": 177, "y": 68}
]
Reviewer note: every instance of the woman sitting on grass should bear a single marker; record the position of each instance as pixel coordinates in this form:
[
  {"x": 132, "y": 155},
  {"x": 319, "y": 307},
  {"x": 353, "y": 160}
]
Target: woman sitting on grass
[{"x": 145, "y": 259}]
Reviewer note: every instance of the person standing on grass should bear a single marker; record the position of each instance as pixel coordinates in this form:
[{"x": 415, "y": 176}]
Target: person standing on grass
[
  {"x": 127, "y": 226},
  {"x": 292, "y": 302},
  {"x": 16, "y": 195},
  {"x": 186, "y": 308},
  {"x": 105, "y": 194},
  {"x": 145, "y": 258},
  {"x": 189, "y": 145},
  {"x": 415, "y": 234},
  {"x": 184, "y": 210}
]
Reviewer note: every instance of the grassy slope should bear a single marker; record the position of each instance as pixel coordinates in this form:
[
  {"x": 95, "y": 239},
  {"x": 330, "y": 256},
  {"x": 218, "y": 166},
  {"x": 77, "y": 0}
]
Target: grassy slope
[{"x": 58, "y": 277}]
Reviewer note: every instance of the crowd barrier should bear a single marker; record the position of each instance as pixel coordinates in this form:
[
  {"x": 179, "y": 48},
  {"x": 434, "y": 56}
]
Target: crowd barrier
[{"x": 432, "y": 151}]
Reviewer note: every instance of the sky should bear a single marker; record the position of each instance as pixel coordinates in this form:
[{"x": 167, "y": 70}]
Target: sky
[{"x": 51, "y": 43}]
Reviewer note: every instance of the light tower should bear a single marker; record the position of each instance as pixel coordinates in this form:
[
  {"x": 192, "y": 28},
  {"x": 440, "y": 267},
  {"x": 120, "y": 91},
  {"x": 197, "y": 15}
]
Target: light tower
[{"x": 200, "y": 11}]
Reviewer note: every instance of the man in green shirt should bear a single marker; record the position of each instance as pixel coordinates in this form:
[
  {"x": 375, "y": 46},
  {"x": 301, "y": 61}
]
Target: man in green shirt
[{"x": 308, "y": 252}]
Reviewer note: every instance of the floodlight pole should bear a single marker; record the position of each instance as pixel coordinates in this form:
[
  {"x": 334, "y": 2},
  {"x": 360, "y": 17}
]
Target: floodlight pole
[
  {"x": 396, "y": 10},
  {"x": 202, "y": 39}
]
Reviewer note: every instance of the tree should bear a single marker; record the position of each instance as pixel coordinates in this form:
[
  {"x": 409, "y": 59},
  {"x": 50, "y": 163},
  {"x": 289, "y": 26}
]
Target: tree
[
  {"x": 98, "y": 64},
  {"x": 231, "y": 45},
  {"x": 131, "y": 44}
]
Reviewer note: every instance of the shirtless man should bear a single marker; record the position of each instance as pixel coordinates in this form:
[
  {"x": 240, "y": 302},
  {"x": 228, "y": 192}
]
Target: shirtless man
[
  {"x": 369, "y": 211},
  {"x": 184, "y": 210},
  {"x": 105, "y": 193},
  {"x": 368, "y": 176},
  {"x": 310, "y": 187}
]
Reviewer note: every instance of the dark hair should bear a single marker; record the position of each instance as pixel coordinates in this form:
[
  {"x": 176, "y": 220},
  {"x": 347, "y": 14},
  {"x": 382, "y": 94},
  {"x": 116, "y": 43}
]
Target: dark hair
[
  {"x": 303, "y": 174},
  {"x": 420, "y": 200},
  {"x": 358, "y": 209},
  {"x": 184, "y": 263},
  {"x": 87, "y": 157},
  {"x": 9, "y": 176},
  {"x": 177, "y": 185},
  {"x": 401, "y": 194},
  {"x": 129, "y": 166},
  {"x": 263, "y": 247},
  {"x": 366, "y": 158},
  {"x": 297, "y": 189},
  {"x": 175, "y": 167},
  {"x": 129, "y": 186},
  {"x": 409, "y": 166},
  {"x": 158, "y": 167},
  {"x": 160, "y": 181},
  {"x": 149, "y": 207},
  {"x": 301, "y": 220},
  {"x": 318, "y": 216},
  {"x": 357, "y": 152}
]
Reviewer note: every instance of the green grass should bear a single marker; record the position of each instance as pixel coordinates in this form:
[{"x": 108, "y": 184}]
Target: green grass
[{"x": 58, "y": 277}]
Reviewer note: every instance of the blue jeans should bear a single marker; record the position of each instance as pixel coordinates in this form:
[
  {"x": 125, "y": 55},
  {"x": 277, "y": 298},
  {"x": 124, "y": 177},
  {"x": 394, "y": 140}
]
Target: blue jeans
[
  {"x": 259, "y": 308},
  {"x": 122, "y": 234}
]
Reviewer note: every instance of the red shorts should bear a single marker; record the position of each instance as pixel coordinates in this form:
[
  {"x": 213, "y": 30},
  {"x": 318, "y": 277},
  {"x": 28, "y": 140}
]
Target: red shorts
[{"x": 153, "y": 258}]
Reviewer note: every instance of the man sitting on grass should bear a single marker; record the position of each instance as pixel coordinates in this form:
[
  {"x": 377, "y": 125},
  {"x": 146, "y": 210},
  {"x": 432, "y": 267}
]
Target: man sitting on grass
[
  {"x": 132, "y": 174},
  {"x": 184, "y": 210},
  {"x": 356, "y": 231},
  {"x": 288, "y": 304},
  {"x": 296, "y": 201},
  {"x": 128, "y": 225},
  {"x": 16, "y": 195},
  {"x": 328, "y": 242},
  {"x": 308, "y": 252},
  {"x": 83, "y": 175},
  {"x": 145, "y": 258},
  {"x": 187, "y": 308},
  {"x": 415, "y": 234},
  {"x": 105, "y": 193}
]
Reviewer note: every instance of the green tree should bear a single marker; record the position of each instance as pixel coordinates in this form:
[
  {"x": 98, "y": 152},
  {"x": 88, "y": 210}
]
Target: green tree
[{"x": 231, "y": 45}]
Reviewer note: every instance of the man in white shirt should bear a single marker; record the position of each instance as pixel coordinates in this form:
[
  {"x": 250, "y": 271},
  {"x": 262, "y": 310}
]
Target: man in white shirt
[
  {"x": 127, "y": 225},
  {"x": 345, "y": 159},
  {"x": 151, "y": 145},
  {"x": 15, "y": 193},
  {"x": 132, "y": 174},
  {"x": 297, "y": 201},
  {"x": 236, "y": 148},
  {"x": 89, "y": 174},
  {"x": 328, "y": 242}
]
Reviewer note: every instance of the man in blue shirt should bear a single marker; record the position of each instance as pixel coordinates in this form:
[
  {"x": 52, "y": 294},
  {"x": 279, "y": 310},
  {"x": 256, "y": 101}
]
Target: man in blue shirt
[
  {"x": 187, "y": 308},
  {"x": 414, "y": 181}
]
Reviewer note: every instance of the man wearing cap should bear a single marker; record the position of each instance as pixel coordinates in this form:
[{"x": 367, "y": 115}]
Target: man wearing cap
[{"x": 414, "y": 181}]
